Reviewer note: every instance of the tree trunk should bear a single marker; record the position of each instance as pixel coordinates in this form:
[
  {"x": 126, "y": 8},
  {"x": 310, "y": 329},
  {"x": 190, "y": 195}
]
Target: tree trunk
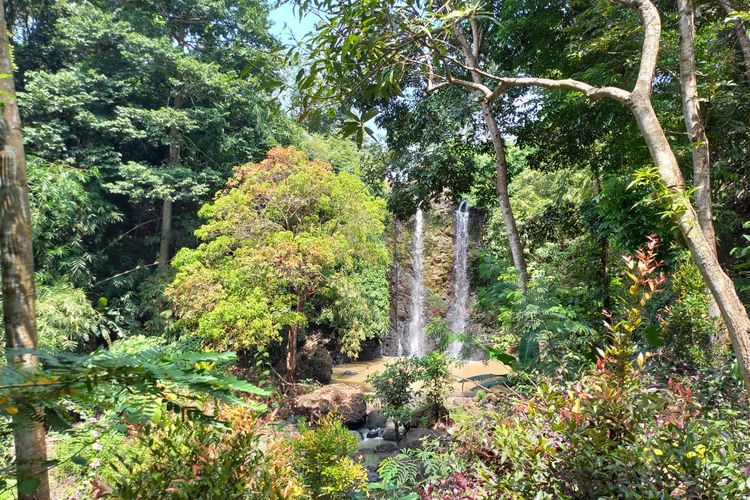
[
  {"x": 166, "y": 211},
  {"x": 696, "y": 132},
  {"x": 291, "y": 348},
  {"x": 605, "y": 254},
  {"x": 471, "y": 55},
  {"x": 722, "y": 288},
  {"x": 19, "y": 315},
  {"x": 740, "y": 30},
  {"x": 501, "y": 185}
]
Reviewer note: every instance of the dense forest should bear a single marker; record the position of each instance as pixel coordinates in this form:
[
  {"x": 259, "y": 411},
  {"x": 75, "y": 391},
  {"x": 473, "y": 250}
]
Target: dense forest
[{"x": 379, "y": 249}]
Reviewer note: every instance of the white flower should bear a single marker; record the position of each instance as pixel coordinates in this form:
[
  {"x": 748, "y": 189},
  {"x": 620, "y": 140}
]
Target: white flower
[
  {"x": 97, "y": 446},
  {"x": 95, "y": 464},
  {"x": 95, "y": 433}
]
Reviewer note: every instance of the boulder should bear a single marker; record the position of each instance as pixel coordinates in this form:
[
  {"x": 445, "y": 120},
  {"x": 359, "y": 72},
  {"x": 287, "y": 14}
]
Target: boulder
[
  {"x": 415, "y": 437},
  {"x": 389, "y": 433},
  {"x": 314, "y": 361},
  {"x": 346, "y": 400},
  {"x": 376, "y": 420},
  {"x": 386, "y": 447},
  {"x": 370, "y": 350}
]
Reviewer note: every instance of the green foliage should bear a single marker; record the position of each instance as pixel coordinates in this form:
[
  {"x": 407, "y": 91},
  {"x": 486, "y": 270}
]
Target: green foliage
[
  {"x": 88, "y": 452},
  {"x": 424, "y": 471},
  {"x": 139, "y": 386},
  {"x": 684, "y": 322},
  {"x": 288, "y": 243},
  {"x": 68, "y": 221},
  {"x": 65, "y": 318},
  {"x": 181, "y": 458},
  {"x": 410, "y": 385},
  {"x": 321, "y": 458},
  {"x": 393, "y": 388}
]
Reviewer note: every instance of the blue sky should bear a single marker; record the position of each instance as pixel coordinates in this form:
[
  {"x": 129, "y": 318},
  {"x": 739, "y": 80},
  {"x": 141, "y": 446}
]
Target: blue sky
[{"x": 287, "y": 25}]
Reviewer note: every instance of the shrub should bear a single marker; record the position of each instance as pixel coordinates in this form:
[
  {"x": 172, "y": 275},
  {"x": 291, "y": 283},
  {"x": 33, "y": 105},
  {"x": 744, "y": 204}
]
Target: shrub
[
  {"x": 321, "y": 457},
  {"x": 190, "y": 458},
  {"x": 322, "y": 461},
  {"x": 393, "y": 388},
  {"x": 615, "y": 433}
]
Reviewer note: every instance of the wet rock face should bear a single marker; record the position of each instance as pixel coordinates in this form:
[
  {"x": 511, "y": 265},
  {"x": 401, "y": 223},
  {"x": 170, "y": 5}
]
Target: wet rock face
[
  {"x": 314, "y": 361},
  {"x": 376, "y": 420},
  {"x": 346, "y": 400},
  {"x": 437, "y": 266}
]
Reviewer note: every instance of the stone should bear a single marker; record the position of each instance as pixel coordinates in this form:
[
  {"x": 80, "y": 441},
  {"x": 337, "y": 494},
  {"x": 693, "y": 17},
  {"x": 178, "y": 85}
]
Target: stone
[
  {"x": 415, "y": 437},
  {"x": 346, "y": 400},
  {"x": 370, "y": 350},
  {"x": 314, "y": 361},
  {"x": 368, "y": 446},
  {"x": 373, "y": 433},
  {"x": 389, "y": 433},
  {"x": 386, "y": 447},
  {"x": 376, "y": 420}
]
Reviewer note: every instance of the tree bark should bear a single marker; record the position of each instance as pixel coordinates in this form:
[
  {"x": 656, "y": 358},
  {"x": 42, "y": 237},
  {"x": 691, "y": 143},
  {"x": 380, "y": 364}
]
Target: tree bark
[
  {"x": 19, "y": 315},
  {"x": 291, "y": 348},
  {"x": 501, "y": 186},
  {"x": 696, "y": 132},
  {"x": 740, "y": 30},
  {"x": 722, "y": 288},
  {"x": 166, "y": 211}
]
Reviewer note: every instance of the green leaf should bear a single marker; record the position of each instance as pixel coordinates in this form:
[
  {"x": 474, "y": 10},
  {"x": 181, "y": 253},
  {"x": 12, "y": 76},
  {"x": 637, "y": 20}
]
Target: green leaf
[
  {"x": 653, "y": 336},
  {"x": 79, "y": 460}
]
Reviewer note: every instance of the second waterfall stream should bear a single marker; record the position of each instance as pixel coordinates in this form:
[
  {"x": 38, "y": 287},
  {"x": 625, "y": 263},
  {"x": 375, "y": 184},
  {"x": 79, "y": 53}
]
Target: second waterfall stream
[{"x": 458, "y": 314}]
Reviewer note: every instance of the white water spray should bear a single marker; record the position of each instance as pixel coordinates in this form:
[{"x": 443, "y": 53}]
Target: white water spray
[
  {"x": 458, "y": 314},
  {"x": 415, "y": 343}
]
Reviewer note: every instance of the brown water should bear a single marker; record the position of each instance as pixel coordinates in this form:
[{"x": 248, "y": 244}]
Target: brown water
[{"x": 357, "y": 373}]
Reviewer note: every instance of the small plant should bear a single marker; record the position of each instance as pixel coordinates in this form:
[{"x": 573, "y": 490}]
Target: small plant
[
  {"x": 393, "y": 387},
  {"x": 433, "y": 371},
  {"x": 321, "y": 457}
]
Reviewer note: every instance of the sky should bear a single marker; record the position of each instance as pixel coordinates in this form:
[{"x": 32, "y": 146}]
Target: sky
[{"x": 287, "y": 25}]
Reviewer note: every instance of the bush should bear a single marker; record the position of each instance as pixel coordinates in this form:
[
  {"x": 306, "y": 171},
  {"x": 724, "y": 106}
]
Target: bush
[
  {"x": 615, "y": 433},
  {"x": 321, "y": 457},
  {"x": 190, "y": 458}
]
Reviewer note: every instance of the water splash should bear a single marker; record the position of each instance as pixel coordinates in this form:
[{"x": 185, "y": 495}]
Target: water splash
[
  {"x": 458, "y": 314},
  {"x": 415, "y": 342}
]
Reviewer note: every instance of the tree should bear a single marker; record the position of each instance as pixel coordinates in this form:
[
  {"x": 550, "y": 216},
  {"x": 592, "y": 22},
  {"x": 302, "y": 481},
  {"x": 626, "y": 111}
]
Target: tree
[
  {"x": 699, "y": 146},
  {"x": 19, "y": 315},
  {"x": 424, "y": 27},
  {"x": 740, "y": 29},
  {"x": 397, "y": 39},
  {"x": 288, "y": 244}
]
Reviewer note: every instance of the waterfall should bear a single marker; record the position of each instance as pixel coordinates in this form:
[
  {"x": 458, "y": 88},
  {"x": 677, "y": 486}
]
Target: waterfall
[
  {"x": 415, "y": 343},
  {"x": 458, "y": 314}
]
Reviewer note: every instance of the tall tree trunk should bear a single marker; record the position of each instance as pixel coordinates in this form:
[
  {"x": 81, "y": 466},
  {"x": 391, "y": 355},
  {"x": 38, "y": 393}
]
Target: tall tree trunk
[
  {"x": 471, "y": 55},
  {"x": 722, "y": 288},
  {"x": 740, "y": 30},
  {"x": 19, "y": 315},
  {"x": 501, "y": 186},
  {"x": 605, "y": 253},
  {"x": 696, "y": 132},
  {"x": 166, "y": 211},
  {"x": 291, "y": 348}
]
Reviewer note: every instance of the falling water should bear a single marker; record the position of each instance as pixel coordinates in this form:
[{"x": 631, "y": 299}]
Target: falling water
[
  {"x": 458, "y": 315},
  {"x": 415, "y": 343}
]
